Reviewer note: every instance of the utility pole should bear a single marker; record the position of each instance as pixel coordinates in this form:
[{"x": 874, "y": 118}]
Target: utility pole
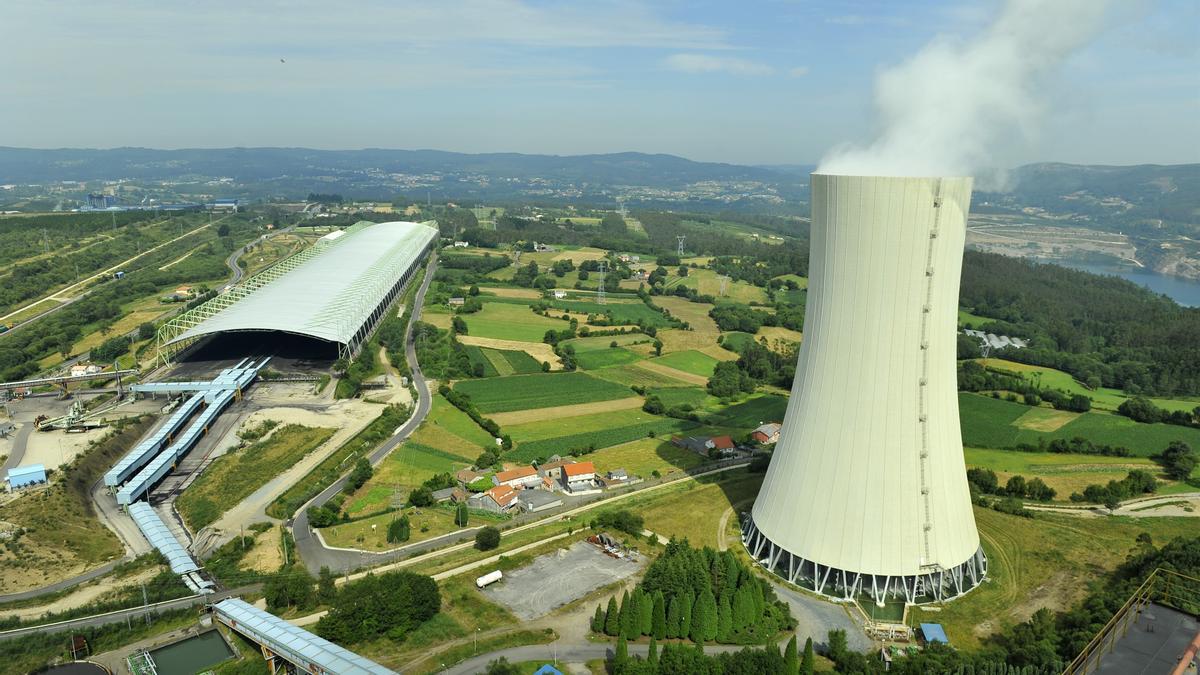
[
  {"x": 600, "y": 297},
  {"x": 145, "y": 604},
  {"x": 680, "y": 239}
]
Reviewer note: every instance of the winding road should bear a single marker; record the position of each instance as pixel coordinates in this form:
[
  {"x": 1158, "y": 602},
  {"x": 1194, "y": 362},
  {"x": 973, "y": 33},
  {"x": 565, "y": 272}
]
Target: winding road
[{"x": 314, "y": 554}]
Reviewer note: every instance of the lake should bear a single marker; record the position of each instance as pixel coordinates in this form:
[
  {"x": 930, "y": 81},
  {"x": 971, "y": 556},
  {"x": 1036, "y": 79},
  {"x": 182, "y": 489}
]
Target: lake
[{"x": 1183, "y": 291}]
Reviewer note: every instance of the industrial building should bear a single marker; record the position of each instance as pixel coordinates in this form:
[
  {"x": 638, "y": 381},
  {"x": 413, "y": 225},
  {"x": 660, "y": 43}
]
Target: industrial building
[
  {"x": 24, "y": 476},
  {"x": 334, "y": 292},
  {"x": 866, "y": 494}
]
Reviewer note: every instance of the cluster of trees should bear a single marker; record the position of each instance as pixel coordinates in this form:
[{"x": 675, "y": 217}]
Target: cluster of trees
[
  {"x": 390, "y": 604},
  {"x": 974, "y": 376},
  {"x": 682, "y": 658},
  {"x": 985, "y": 481},
  {"x": 1178, "y": 460},
  {"x": 355, "y": 372},
  {"x": 111, "y": 349},
  {"x": 697, "y": 594},
  {"x": 479, "y": 264},
  {"x": 1141, "y": 409},
  {"x": 1105, "y": 331},
  {"x": 1075, "y": 446},
  {"x": 439, "y": 353},
  {"x": 756, "y": 364},
  {"x": 622, "y": 520},
  {"x": 1135, "y": 483},
  {"x": 399, "y": 530},
  {"x": 325, "y": 198}
]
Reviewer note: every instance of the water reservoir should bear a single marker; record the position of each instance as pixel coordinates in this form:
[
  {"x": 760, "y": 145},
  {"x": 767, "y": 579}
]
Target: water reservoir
[
  {"x": 193, "y": 655},
  {"x": 80, "y": 668}
]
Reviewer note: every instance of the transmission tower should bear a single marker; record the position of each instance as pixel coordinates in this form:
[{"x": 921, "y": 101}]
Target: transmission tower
[
  {"x": 724, "y": 280},
  {"x": 680, "y": 238},
  {"x": 600, "y": 298}
]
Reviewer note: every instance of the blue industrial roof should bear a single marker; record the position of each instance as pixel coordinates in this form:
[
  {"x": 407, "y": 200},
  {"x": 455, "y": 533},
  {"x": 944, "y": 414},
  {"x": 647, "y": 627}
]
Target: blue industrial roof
[
  {"x": 547, "y": 669},
  {"x": 27, "y": 470},
  {"x": 156, "y": 532},
  {"x": 933, "y": 633},
  {"x": 294, "y": 643}
]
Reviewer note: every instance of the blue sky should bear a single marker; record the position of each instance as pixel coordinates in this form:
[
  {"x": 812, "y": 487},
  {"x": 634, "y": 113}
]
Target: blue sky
[{"x": 773, "y": 81}]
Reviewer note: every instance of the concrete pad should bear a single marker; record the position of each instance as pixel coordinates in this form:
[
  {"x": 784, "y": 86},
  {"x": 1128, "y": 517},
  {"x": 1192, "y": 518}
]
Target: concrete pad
[{"x": 558, "y": 578}]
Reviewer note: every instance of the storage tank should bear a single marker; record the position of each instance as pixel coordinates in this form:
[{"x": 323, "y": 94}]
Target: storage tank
[
  {"x": 489, "y": 578},
  {"x": 866, "y": 493}
]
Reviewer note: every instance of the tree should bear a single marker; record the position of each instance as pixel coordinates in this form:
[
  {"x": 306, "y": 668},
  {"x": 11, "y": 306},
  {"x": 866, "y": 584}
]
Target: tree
[
  {"x": 837, "y": 644},
  {"x": 223, "y": 230},
  {"x": 658, "y": 347},
  {"x": 724, "y": 618},
  {"x": 421, "y": 496},
  {"x": 326, "y": 589},
  {"x": 391, "y": 604},
  {"x": 1015, "y": 487},
  {"x": 808, "y": 664},
  {"x": 658, "y": 626},
  {"x": 685, "y": 614},
  {"x": 790, "y": 660},
  {"x": 1179, "y": 460},
  {"x": 361, "y": 474},
  {"x": 461, "y": 515},
  {"x": 398, "y": 530},
  {"x": 501, "y": 666},
  {"x": 291, "y": 588},
  {"x": 673, "y": 617},
  {"x": 625, "y": 619},
  {"x": 146, "y": 331},
  {"x": 598, "y": 620},
  {"x": 612, "y": 618},
  {"x": 613, "y": 223},
  {"x": 652, "y": 652},
  {"x": 704, "y": 617},
  {"x": 487, "y": 539},
  {"x": 621, "y": 657}
]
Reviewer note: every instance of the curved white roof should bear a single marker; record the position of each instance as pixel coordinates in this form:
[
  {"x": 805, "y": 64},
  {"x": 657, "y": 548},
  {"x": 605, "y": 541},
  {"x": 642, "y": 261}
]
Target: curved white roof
[{"x": 332, "y": 294}]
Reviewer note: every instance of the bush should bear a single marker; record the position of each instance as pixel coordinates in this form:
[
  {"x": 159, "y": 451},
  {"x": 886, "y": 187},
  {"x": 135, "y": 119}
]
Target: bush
[
  {"x": 391, "y": 604},
  {"x": 487, "y": 539},
  {"x": 623, "y": 520},
  {"x": 399, "y": 530}
]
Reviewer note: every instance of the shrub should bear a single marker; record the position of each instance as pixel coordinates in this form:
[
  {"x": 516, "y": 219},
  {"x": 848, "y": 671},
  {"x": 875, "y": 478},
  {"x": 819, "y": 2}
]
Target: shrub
[{"x": 487, "y": 539}]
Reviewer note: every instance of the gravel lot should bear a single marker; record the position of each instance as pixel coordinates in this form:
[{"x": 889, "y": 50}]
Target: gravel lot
[{"x": 558, "y": 578}]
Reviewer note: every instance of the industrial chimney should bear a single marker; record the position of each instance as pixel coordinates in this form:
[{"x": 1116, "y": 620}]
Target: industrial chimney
[{"x": 867, "y": 491}]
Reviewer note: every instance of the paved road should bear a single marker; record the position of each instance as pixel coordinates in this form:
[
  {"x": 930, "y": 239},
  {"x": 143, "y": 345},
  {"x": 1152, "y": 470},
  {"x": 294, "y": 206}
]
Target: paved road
[
  {"x": 64, "y": 584},
  {"x": 133, "y": 613},
  {"x": 312, "y": 552}
]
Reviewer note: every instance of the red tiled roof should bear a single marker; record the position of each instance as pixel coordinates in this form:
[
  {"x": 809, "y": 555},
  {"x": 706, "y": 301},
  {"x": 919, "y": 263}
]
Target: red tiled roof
[
  {"x": 503, "y": 494},
  {"x": 579, "y": 469},
  {"x": 513, "y": 474},
  {"x": 722, "y": 442}
]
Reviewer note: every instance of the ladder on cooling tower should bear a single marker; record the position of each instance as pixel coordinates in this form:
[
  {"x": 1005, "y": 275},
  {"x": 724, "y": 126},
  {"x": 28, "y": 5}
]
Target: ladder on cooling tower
[{"x": 923, "y": 407}]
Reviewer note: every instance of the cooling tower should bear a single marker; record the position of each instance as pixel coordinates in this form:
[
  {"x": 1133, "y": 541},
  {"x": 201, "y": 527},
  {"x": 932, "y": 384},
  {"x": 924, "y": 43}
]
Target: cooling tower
[{"x": 867, "y": 492}]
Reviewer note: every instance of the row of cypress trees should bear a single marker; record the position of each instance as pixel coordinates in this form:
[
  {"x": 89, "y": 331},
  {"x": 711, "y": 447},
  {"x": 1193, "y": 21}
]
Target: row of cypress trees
[{"x": 679, "y": 658}]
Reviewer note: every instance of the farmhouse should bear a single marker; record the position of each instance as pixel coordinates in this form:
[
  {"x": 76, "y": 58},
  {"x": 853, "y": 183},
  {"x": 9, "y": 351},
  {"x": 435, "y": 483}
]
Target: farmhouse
[
  {"x": 456, "y": 302},
  {"x": 579, "y": 477},
  {"x": 559, "y": 294},
  {"x": 461, "y": 244},
  {"x": 553, "y": 470},
  {"x": 499, "y": 499},
  {"x": 467, "y": 476},
  {"x": 518, "y": 478},
  {"x": 81, "y": 369},
  {"x": 767, "y": 433}
]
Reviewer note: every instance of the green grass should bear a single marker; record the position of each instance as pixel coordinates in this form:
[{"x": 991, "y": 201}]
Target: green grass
[
  {"x": 989, "y": 422},
  {"x": 752, "y": 412},
  {"x": 499, "y": 364},
  {"x": 521, "y": 363},
  {"x": 736, "y": 339},
  {"x": 477, "y": 357},
  {"x": 604, "y": 358},
  {"x": 600, "y": 342},
  {"x": 600, "y": 438},
  {"x": 630, "y": 375},
  {"x": 705, "y": 281},
  {"x": 522, "y": 392},
  {"x": 456, "y": 422},
  {"x": 510, "y": 321},
  {"x": 969, "y": 320},
  {"x": 371, "y": 533},
  {"x": 675, "y": 396},
  {"x": 1102, "y": 397},
  {"x": 1064, "y": 472},
  {"x": 579, "y": 424},
  {"x": 791, "y": 297},
  {"x": 621, "y": 312},
  {"x": 690, "y": 361},
  {"x": 694, "y": 508},
  {"x": 1047, "y": 561},
  {"x": 643, "y": 456},
  {"x": 235, "y": 475}
]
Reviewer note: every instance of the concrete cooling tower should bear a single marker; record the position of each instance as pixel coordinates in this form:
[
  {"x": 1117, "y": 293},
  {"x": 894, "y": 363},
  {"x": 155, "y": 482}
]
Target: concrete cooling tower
[{"x": 867, "y": 493}]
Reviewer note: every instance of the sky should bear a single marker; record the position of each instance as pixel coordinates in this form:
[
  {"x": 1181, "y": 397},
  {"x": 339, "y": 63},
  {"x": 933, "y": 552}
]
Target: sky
[{"x": 750, "y": 82}]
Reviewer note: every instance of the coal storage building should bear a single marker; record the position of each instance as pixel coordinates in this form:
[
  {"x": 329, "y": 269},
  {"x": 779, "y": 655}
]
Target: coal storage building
[{"x": 334, "y": 292}]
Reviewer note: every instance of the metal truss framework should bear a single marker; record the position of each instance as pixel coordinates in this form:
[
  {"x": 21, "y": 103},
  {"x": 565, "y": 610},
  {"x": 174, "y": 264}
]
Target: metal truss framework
[
  {"x": 369, "y": 296},
  {"x": 937, "y": 584}
]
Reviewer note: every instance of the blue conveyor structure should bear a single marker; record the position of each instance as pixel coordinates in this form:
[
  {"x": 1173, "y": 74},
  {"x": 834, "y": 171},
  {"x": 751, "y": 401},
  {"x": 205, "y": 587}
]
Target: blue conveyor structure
[
  {"x": 281, "y": 640},
  {"x": 151, "y": 445},
  {"x": 160, "y": 537}
]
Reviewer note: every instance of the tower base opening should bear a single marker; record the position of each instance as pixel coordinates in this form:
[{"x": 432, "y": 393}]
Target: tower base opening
[{"x": 933, "y": 584}]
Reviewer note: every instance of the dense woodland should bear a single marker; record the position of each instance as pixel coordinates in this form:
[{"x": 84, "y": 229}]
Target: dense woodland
[{"x": 1103, "y": 330}]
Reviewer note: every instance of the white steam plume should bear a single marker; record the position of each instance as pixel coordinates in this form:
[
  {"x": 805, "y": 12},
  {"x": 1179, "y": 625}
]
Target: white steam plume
[{"x": 943, "y": 110}]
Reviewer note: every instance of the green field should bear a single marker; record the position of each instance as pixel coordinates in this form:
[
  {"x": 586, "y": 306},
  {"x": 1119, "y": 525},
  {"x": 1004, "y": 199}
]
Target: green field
[
  {"x": 990, "y": 423},
  {"x": 480, "y": 364},
  {"x": 753, "y": 412},
  {"x": 510, "y": 321},
  {"x": 505, "y": 362},
  {"x": 791, "y": 297},
  {"x": 561, "y": 445},
  {"x": 622, "y": 312},
  {"x": 736, "y": 339},
  {"x": 643, "y": 456},
  {"x": 371, "y": 533},
  {"x": 579, "y": 424},
  {"x": 235, "y": 475},
  {"x": 1048, "y": 561},
  {"x": 705, "y": 282},
  {"x": 969, "y": 320},
  {"x": 1102, "y": 397},
  {"x": 630, "y": 375},
  {"x": 690, "y": 361},
  {"x": 589, "y": 344},
  {"x": 674, "y": 396},
  {"x": 544, "y": 390},
  {"x": 1064, "y": 472},
  {"x": 604, "y": 358},
  {"x": 456, "y": 422}
]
